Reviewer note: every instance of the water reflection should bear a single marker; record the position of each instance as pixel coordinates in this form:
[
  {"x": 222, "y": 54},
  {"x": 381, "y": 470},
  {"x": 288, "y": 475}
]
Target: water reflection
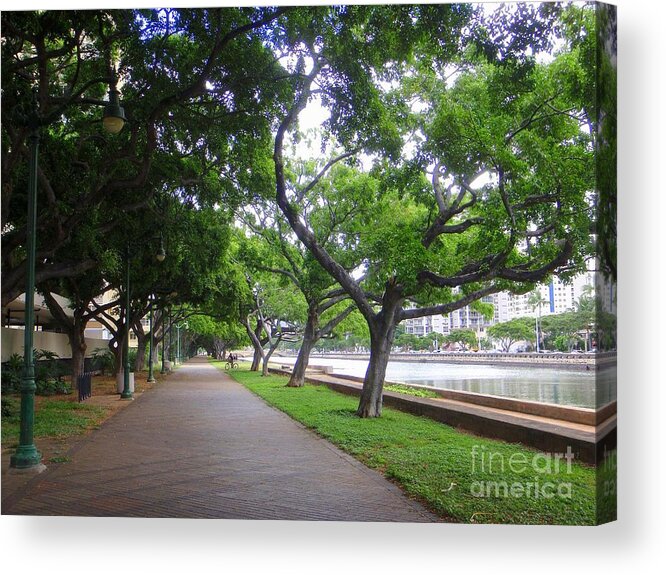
[{"x": 559, "y": 386}]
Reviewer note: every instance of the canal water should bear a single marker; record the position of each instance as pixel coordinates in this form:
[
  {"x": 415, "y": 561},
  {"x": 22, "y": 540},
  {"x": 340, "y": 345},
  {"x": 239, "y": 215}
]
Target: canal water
[{"x": 545, "y": 385}]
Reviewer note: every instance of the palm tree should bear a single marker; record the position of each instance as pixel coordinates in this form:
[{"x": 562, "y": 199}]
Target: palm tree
[
  {"x": 536, "y": 300},
  {"x": 585, "y": 307}
]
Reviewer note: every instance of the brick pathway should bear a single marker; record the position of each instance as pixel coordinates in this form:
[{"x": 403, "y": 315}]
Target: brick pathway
[{"x": 201, "y": 445}]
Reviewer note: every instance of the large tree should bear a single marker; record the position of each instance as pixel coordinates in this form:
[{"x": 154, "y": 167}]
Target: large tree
[
  {"x": 276, "y": 250},
  {"x": 446, "y": 241},
  {"x": 512, "y": 331},
  {"x": 196, "y": 114},
  {"x": 464, "y": 337},
  {"x": 270, "y": 318},
  {"x": 81, "y": 295}
]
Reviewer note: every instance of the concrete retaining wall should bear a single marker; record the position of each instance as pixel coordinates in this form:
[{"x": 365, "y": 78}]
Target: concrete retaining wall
[
  {"x": 12, "y": 342},
  {"x": 581, "y": 361},
  {"x": 582, "y": 415},
  {"x": 545, "y": 432}
]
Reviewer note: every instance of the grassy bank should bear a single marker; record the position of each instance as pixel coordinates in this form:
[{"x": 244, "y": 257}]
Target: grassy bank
[
  {"x": 459, "y": 476},
  {"x": 55, "y": 417},
  {"x": 62, "y": 416}
]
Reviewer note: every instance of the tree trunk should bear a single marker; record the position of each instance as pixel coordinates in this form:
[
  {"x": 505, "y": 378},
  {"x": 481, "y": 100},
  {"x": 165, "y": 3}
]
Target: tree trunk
[
  {"x": 218, "y": 350},
  {"x": 77, "y": 342},
  {"x": 256, "y": 358},
  {"x": 382, "y": 332},
  {"x": 297, "y": 378},
  {"x": 373, "y": 384},
  {"x": 264, "y": 366},
  {"x": 267, "y": 356},
  {"x": 140, "y": 361},
  {"x": 254, "y": 337},
  {"x": 116, "y": 347}
]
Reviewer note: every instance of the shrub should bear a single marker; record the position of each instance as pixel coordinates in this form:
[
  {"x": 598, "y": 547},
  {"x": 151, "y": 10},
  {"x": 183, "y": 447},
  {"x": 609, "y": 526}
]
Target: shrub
[
  {"x": 132, "y": 358},
  {"x": 49, "y": 374},
  {"x": 52, "y": 387},
  {"x": 104, "y": 360},
  {"x": 9, "y": 407},
  {"x": 12, "y": 373}
]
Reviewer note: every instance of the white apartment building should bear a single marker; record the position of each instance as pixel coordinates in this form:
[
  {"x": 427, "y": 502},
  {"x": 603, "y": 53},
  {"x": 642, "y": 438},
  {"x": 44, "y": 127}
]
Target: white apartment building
[
  {"x": 463, "y": 318},
  {"x": 467, "y": 318},
  {"x": 428, "y": 324},
  {"x": 96, "y": 329},
  {"x": 558, "y": 296}
]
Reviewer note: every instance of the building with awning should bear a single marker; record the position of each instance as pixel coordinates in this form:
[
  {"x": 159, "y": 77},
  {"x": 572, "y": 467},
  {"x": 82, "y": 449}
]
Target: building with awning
[{"x": 48, "y": 335}]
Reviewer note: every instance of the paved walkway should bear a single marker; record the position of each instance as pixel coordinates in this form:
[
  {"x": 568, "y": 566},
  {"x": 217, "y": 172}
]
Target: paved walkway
[{"x": 201, "y": 445}]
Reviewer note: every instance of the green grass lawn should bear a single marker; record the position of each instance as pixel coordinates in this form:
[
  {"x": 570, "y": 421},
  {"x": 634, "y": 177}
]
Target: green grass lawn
[
  {"x": 410, "y": 390},
  {"x": 460, "y": 476},
  {"x": 54, "y": 418}
]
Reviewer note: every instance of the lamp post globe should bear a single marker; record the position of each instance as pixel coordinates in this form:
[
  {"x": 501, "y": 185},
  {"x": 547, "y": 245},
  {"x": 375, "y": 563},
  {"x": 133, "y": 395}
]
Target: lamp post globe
[{"x": 114, "y": 115}]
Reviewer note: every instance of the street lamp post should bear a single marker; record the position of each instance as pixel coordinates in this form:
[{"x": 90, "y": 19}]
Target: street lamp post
[
  {"x": 179, "y": 354},
  {"x": 26, "y": 455},
  {"x": 170, "y": 348},
  {"x": 163, "y": 371},
  {"x": 178, "y": 344},
  {"x": 127, "y": 392},
  {"x": 151, "y": 376}
]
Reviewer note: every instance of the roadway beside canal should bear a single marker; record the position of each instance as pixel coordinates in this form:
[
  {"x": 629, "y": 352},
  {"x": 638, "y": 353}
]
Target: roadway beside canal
[{"x": 582, "y": 361}]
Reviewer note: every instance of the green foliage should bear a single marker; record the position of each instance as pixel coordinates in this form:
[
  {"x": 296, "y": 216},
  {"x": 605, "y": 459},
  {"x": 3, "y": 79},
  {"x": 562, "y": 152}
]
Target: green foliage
[
  {"x": 52, "y": 387},
  {"x": 10, "y": 407},
  {"x": 565, "y": 343},
  {"x": 353, "y": 327},
  {"x": 512, "y": 331},
  {"x": 562, "y": 330},
  {"x": 104, "y": 360},
  {"x": 179, "y": 166},
  {"x": 12, "y": 373},
  {"x": 485, "y": 309},
  {"x": 343, "y": 342},
  {"x": 465, "y": 338},
  {"x": 215, "y": 335},
  {"x": 410, "y": 390},
  {"x": 49, "y": 374},
  {"x": 410, "y": 341}
]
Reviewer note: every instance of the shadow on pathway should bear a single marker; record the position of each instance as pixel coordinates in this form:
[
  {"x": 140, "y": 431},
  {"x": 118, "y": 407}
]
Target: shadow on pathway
[{"x": 200, "y": 445}]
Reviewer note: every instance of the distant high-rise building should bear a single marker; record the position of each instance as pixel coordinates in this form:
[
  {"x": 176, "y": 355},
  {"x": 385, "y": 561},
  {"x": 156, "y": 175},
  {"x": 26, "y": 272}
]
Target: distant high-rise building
[
  {"x": 428, "y": 324},
  {"x": 558, "y": 297}
]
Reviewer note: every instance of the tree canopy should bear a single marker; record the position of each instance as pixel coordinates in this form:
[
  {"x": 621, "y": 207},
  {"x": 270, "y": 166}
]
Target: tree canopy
[
  {"x": 427, "y": 230},
  {"x": 512, "y": 331},
  {"x": 460, "y": 157}
]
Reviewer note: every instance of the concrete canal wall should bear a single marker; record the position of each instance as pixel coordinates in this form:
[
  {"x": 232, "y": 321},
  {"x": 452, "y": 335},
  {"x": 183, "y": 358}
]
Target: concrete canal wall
[
  {"x": 586, "y": 362},
  {"x": 588, "y": 433}
]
